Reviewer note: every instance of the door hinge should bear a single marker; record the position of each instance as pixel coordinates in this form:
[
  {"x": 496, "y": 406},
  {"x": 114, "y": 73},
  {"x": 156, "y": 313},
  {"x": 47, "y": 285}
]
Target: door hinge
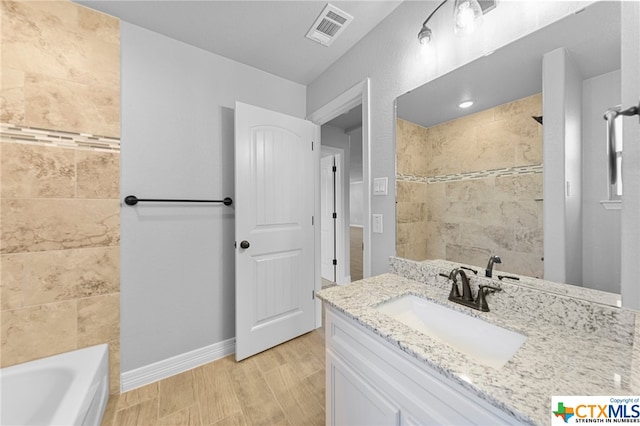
[
  {"x": 335, "y": 261},
  {"x": 335, "y": 169},
  {"x": 335, "y": 215},
  {"x": 235, "y": 244},
  {"x": 313, "y": 294},
  {"x": 312, "y": 220},
  {"x": 311, "y": 145}
]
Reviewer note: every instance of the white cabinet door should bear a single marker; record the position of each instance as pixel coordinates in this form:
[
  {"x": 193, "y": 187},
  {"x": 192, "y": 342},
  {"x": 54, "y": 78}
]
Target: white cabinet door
[
  {"x": 371, "y": 382},
  {"x": 353, "y": 401}
]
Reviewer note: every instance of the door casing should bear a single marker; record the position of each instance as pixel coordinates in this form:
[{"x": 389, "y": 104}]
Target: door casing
[{"x": 352, "y": 97}]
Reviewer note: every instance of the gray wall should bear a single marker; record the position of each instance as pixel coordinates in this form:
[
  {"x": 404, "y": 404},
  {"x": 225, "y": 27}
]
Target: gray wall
[
  {"x": 177, "y": 276},
  {"x": 355, "y": 165},
  {"x": 356, "y": 197},
  {"x": 562, "y": 159},
  {"x": 355, "y": 204},
  {"x": 392, "y": 58},
  {"x": 573, "y": 170},
  {"x": 601, "y": 227},
  {"x": 555, "y": 245},
  {"x": 631, "y": 156}
]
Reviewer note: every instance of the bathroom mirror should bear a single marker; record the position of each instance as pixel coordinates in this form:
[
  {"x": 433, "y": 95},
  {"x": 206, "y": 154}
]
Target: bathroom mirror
[{"x": 470, "y": 181}]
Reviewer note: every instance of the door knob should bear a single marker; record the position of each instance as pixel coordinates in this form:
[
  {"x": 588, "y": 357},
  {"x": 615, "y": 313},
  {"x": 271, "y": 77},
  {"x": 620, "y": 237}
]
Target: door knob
[{"x": 244, "y": 244}]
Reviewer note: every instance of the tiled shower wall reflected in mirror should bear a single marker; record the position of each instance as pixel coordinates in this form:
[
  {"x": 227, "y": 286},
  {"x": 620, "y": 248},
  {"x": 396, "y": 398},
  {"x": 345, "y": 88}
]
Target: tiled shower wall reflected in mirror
[{"x": 472, "y": 187}]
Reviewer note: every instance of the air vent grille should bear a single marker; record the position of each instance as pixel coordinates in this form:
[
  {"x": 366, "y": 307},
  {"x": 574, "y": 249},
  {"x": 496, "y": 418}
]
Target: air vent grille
[
  {"x": 331, "y": 22},
  {"x": 327, "y": 27},
  {"x": 339, "y": 19},
  {"x": 487, "y": 5}
]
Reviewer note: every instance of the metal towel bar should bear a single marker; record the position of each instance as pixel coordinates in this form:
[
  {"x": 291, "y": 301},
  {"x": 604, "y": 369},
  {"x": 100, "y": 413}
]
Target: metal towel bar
[{"x": 132, "y": 200}]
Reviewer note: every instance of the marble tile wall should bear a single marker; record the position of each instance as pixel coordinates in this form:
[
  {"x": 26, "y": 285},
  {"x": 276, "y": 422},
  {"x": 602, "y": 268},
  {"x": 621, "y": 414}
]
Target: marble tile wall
[
  {"x": 472, "y": 187},
  {"x": 59, "y": 181},
  {"x": 60, "y": 67}
]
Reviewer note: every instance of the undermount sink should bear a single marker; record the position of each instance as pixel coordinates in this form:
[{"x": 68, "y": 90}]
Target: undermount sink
[{"x": 484, "y": 342}]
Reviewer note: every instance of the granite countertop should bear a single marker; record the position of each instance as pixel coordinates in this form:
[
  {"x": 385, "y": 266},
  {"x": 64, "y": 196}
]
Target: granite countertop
[{"x": 594, "y": 352}]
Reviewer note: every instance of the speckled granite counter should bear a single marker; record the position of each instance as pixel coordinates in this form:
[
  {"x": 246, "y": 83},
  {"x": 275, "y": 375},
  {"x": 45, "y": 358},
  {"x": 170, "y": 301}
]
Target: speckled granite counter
[{"x": 573, "y": 347}]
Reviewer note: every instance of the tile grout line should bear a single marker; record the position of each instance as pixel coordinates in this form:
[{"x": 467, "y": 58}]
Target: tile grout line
[
  {"x": 275, "y": 397},
  {"x": 273, "y": 394},
  {"x": 465, "y": 176},
  {"x": 198, "y": 400}
]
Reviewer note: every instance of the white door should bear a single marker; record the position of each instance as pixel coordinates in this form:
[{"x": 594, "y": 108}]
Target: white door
[
  {"x": 328, "y": 223},
  {"x": 274, "y": 206}
]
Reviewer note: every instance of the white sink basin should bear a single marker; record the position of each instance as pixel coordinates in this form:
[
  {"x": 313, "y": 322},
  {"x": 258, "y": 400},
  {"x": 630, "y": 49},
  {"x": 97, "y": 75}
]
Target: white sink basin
[{"x": 484, "y": 342}]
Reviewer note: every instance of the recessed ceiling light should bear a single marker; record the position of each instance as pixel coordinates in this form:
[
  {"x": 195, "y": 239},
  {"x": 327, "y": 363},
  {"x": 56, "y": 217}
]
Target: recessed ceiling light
[{"x": 465, "y": 104}]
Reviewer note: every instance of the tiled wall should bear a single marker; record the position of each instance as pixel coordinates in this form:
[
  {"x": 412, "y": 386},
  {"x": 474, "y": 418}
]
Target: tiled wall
[
  {"x": 472, "y": 187},
  {"x": 59, "y": 159}
]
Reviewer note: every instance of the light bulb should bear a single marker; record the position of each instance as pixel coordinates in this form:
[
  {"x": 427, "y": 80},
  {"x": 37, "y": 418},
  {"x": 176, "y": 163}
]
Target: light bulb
[
  {"x": 424, "y": 36},
  {"x": 467, "y": 16}
]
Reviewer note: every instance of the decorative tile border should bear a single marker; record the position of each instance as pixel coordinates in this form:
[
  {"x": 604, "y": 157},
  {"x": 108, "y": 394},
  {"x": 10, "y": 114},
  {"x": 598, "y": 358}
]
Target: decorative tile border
[
  {"x": 507, "y": 171},
  {"x": 47, "y": 137}
]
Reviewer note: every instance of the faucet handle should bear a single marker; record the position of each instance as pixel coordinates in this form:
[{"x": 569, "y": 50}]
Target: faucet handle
[
  {"x": 455, "y": 293},
  {"x": 490, "y": 287},
  {"x": 470, "y": 269},
  {"x": 501, "y": 277},
  {"x": 481, "y": 301}
]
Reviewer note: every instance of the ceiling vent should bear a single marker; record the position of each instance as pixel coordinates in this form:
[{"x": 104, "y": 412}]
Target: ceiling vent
[
  {"x": 487, "y": 5},
  {"x": 331, "y": 22}
]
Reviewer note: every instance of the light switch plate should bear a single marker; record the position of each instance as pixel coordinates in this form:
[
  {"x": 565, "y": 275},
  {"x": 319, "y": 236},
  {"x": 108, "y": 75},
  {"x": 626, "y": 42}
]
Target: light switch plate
[
  {"x": 380, "y": 186},
  {"x": 377, "y": 223}
]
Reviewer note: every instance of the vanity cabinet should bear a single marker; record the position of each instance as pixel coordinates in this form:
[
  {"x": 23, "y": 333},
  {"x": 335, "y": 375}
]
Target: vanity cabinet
[{"x": 371, "y": 382}]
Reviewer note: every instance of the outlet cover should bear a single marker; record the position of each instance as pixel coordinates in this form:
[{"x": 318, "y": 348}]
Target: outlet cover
[{"x": 377, "y": 223}]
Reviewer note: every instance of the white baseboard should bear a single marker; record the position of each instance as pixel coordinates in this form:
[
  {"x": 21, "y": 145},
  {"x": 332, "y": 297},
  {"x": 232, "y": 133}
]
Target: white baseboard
[{"x": 175, "y": 365}]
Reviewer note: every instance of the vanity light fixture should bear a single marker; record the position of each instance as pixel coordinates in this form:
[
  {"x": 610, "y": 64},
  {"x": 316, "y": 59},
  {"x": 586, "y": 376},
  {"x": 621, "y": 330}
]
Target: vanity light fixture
[
  {"x": 465, "y": 104},
  {"x": 467, "y": 16},
  {"x": 424, "y": 36}
]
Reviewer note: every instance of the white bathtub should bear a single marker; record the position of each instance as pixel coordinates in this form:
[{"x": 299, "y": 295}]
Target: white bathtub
[{"x": 67, "y": 389}]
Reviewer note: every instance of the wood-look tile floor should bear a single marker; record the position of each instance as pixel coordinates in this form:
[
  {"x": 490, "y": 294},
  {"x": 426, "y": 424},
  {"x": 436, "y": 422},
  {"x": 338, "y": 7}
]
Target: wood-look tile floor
[{"x": 281, "y": 386}]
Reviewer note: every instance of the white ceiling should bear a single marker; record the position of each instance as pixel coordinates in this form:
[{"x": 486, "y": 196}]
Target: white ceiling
[
  {"x": 592, "y": 38},
  {"x": 268, "y": 35}
]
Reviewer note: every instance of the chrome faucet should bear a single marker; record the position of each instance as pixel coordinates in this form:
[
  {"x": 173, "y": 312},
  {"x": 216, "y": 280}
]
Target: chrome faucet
[{"x": 489, "y": 271}]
